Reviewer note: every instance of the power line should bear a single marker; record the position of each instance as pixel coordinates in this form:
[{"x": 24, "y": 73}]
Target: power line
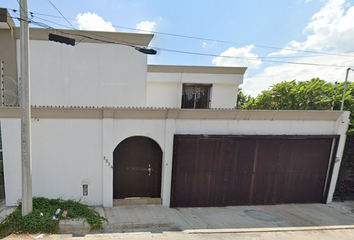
[
  {"x": 20, "y": 5},
  {"x": 216, "y": 40},
  {"x": 184, "y": 52},
  {"x": 43, "y": 25},
  {"x": 212, "y": 55},
  {"x": 61, "y": 13},
  {"x": 62, "y": 25},
  {"x": 245, "y": 58}
]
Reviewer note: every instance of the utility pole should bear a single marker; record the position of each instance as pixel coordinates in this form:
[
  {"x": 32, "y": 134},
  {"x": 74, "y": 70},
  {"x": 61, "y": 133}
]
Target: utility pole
[
  {"x": 345, "y": 88},
  {"x": 26, "y": 155}
]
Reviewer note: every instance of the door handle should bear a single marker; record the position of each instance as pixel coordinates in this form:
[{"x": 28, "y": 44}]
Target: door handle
[{"x": 149, "y": 169}]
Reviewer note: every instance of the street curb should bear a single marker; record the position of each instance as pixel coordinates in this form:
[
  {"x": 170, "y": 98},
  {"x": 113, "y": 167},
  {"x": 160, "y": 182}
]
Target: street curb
[{"x": 255, "y": 230}]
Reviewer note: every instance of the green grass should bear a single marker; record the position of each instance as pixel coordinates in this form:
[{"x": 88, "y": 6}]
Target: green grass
[{"x": 35, "y": 223}]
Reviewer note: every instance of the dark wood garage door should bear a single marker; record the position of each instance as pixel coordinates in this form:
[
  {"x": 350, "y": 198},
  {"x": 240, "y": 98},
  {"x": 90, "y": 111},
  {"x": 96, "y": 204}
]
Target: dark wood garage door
[{"x": 246, "y": 170}]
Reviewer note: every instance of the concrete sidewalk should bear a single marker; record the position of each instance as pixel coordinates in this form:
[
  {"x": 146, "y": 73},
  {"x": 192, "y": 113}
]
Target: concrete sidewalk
[{"x": 158, "y": 218}]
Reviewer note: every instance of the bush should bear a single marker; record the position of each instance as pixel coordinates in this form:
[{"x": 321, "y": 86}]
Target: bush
[{"x": 34, "y": 222}]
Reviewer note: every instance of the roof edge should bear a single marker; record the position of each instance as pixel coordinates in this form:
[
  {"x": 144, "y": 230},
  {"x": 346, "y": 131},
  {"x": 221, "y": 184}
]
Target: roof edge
[
  {"x": 195, "y": 69},
  {"x": 118, "y": 37}
]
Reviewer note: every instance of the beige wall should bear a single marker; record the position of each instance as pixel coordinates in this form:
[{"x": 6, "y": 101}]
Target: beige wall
[{"x": 8, "y": 46}]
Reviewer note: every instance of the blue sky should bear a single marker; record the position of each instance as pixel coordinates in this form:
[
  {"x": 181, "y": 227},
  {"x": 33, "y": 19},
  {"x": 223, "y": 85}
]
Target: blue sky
[{"x": 255, "y": 33}]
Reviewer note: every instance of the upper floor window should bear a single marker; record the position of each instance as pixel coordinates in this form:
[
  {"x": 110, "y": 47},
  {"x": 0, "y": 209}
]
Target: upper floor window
[{"x": 196, "y": 96}]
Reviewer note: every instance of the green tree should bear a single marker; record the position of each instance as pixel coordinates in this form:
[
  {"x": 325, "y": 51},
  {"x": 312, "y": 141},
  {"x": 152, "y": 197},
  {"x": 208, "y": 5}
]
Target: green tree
[
  {"x": 315, "y": 94},
  {"x": 242, "y": 99}
]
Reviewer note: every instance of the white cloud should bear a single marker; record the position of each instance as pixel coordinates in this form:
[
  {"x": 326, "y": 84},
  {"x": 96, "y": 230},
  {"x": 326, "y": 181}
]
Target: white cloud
[
  {"x": 91, "y": 21},
  {"x": 330, "y": 29},
  {"x": 287, "y": 72},
  {"x": 146, "y": 27},
  {"x": 290, "y": 49},
  {"x": 206, "y": 45},
  {"x": 235, "y": 57}
]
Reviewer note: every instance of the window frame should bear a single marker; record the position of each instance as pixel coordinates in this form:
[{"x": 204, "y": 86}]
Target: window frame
[{"x": 195, "y": 99}]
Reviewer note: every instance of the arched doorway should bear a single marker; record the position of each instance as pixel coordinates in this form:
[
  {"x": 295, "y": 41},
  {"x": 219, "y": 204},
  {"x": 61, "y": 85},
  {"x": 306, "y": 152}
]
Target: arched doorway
[{"x": 137, "y": 163}]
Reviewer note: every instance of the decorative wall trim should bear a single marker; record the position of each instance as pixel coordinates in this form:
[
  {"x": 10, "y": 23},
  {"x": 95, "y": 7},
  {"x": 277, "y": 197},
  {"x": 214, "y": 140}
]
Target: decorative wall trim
[{"x": 172, "y": 113}]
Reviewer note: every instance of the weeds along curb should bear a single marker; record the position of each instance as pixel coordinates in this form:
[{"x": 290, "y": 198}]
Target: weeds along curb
[{"x": 46, "y": 215}]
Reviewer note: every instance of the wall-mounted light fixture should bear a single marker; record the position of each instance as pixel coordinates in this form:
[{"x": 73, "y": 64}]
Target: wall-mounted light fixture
[
  {"x": 148, "y": 51},
  {"x": 71, "y": 41},
  {"x": 61, "y": 39}
]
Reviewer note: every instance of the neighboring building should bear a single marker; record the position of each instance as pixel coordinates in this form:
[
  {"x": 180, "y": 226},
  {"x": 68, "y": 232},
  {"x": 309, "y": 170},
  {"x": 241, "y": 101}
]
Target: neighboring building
[{"x": 106, "y": 126}]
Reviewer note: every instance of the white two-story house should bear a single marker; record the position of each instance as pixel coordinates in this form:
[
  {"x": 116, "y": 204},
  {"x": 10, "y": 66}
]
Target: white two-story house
[{"x": 110, "y": 129}]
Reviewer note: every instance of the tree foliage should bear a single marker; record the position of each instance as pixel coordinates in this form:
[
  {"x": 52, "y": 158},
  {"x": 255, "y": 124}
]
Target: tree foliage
[{"x": 314, "y": 94}]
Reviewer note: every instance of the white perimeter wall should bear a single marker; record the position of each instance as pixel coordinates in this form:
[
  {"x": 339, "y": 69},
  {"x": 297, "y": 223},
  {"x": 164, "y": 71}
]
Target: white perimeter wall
[
  {"x": 65, "y": 155},
  {"x": 165, "y": 89},
  {"x": 69, "y": 153},
  {"x": 87, "y": 74}
]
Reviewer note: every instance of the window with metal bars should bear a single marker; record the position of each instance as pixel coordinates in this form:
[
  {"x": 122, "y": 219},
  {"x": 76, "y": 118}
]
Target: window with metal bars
[{"x": 196, "y": 96}]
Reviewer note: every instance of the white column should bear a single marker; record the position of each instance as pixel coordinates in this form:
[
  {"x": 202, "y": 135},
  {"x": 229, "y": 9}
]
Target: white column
[
  {"x": 170, "y": 129},
  {"x": 342, "y": 128},
  {"x": 107, "y": 158}
]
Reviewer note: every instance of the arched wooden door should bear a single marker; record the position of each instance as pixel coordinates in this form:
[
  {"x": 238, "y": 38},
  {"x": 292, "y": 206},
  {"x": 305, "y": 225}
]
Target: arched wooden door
[{"x": 137, "y": 163}]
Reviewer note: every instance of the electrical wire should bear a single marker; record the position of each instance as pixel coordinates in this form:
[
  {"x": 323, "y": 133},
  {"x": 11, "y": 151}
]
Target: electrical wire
[
  {"x": 20, "y": 5},
  {"x": 244, "y": 58},
  {"x": 91, "y": 33},
  {"x": 43, "y": 25},
  {"x": 216, "y": 40},
  {"x": 181, "y": 52},
  {"x": 61, "y": 14},
  {"x": 259, "y": 58}
]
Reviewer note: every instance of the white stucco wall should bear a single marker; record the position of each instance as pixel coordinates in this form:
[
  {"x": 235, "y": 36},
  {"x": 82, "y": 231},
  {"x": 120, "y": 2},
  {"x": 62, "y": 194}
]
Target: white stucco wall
[
  {"x": 163, "y": 94},
  {"x": 224, "y": 95},
  {"x": 65, "y": 155},
  {"x": 11, "y": 145},
  {"x": 69, "y": 152},
  {"x": 254, "y": 127},
  {"x": 88, "y": 74},
  {"x": 341, "y": 127},
  {"x": 165, "y": 89}
]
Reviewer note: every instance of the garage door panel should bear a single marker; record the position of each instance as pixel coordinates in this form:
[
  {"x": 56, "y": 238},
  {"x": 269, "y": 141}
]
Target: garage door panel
[
  {"x": 186, "y": 161},
  {"x": 244, "y": 157},
  {"x": 265, "y": 167},
  {"x": 227, "y": 170},
  {"x": 303, "y": 168},
  {"x": 240, "y": 190},
  {"x": 241, "y": 172},
  {"x": 211, "y": 161},
  {"x": 207, "y": 174},
  {"x": 210, "y": 156}
]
